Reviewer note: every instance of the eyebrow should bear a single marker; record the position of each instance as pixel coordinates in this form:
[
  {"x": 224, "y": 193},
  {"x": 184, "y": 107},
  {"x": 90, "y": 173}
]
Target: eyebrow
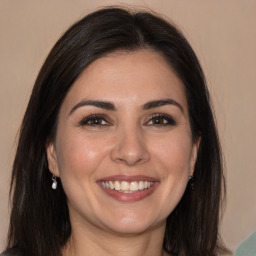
[
  {"x": 162, "y": 102},
  {"x": 110, "y": 106},
  {"x": 95, "y": 103}
]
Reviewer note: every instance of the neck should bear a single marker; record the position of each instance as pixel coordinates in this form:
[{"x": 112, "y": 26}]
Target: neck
[{"x": 95, "y": 241}]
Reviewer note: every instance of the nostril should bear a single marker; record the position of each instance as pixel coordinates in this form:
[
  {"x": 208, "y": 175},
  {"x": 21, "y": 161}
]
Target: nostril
[{"x": 130, "y": 151}]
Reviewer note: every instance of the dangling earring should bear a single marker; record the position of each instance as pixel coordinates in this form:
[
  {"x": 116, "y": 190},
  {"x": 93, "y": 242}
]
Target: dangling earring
[
  {"x": 54, "y": 182},
  {"x": 191, "y": 182}
]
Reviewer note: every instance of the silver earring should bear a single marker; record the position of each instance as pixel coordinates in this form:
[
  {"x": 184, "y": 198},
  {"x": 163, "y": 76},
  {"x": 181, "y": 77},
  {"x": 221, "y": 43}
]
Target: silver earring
[{"x": 54, "y": 182}]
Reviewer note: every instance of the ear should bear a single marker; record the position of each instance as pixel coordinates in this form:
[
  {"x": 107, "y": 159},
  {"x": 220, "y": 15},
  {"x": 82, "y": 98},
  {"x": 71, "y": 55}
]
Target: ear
[
  {"x": 52, "y": 158},
  {"x": 195, "y": 148}
]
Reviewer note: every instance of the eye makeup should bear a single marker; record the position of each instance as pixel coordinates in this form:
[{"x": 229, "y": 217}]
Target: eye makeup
[
  {"x": 95, "y": 120},
  {"x": 160, "y": 119}
]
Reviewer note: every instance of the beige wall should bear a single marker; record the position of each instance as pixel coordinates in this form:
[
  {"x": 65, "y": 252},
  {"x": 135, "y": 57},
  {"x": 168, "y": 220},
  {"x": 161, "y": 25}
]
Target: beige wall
[{"x": 222, "y": 33}]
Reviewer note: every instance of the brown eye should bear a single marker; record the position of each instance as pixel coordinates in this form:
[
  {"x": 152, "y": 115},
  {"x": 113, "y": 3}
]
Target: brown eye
[
  {"x": 94, "y": 120},
  {"x": 161, "y": 120}
]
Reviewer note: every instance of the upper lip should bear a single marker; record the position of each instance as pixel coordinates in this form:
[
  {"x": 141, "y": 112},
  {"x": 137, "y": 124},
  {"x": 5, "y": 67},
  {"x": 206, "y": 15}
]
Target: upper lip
[{"x": 128, "y": 178}]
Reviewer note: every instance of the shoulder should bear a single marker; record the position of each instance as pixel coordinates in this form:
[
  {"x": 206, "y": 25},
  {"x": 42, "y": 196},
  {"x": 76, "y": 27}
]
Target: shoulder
[{"x": 12, "y": 252}]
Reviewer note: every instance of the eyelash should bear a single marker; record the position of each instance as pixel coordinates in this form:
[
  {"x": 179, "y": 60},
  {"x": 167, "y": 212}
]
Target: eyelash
[
  {"x": 166, "y": 120},
  {"x": 154, "y": 120},
  {"x": 94, "y": 119}
]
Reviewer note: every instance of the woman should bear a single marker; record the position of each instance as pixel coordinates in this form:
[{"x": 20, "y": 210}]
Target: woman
[{"x": 118, "y": 151}]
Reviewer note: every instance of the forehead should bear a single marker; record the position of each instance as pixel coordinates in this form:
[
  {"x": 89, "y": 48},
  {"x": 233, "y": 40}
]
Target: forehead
[{"x": 128, "y": 77}]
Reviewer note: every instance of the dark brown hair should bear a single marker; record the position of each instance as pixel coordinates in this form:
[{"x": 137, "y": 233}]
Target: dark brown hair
[{"x": 40, "y": 224}]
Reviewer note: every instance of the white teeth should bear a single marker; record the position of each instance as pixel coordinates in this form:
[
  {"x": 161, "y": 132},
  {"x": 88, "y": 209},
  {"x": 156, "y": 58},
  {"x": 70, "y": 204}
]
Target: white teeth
[
  {"x": 141, "y": 185},
  {"x": 111, "y": 185},
  {"x": 134, "y": 186},
  {"x": 127, "y": 187},
  {"x": 117, "y": 185}
]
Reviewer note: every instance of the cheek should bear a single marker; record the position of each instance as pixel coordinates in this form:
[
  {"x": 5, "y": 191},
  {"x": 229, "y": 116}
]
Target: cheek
[
  {"x": 174, "y": 157},
  {"x": 79, "y": 156},
  {"x": 174, "y": 153}
]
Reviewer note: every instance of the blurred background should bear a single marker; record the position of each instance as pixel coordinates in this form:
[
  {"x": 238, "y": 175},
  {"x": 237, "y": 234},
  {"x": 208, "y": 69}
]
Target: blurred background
[{"x": 223, "y": 35}]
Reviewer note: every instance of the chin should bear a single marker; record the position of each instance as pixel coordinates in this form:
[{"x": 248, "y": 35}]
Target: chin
[{"x": 131, "y": 225}]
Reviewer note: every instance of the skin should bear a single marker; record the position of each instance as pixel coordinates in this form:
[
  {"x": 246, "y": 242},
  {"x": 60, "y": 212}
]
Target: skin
[{"x": 129, "y": 140}]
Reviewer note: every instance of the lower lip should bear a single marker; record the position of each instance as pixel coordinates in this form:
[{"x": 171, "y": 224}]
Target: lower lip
[{"x": 130, "y": 197}]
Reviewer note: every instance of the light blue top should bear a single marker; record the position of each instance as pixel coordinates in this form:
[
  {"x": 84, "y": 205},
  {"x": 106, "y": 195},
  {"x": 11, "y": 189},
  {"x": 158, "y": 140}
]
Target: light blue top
[{"x": 247, "y": 247}]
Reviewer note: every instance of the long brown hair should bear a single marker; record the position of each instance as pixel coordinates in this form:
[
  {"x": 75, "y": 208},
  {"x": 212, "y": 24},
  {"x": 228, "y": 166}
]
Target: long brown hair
[{"x": 40, "y": 224}]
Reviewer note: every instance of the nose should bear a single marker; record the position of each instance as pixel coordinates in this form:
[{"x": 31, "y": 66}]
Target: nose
[{"x": 130, "y": 148}]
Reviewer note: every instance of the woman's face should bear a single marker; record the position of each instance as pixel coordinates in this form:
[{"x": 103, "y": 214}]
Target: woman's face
[{"x": 124, "y": 149}]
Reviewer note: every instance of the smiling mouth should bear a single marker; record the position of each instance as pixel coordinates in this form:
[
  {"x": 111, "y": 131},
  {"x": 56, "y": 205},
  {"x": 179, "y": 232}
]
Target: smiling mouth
[{"x": 126, "y": 186}]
